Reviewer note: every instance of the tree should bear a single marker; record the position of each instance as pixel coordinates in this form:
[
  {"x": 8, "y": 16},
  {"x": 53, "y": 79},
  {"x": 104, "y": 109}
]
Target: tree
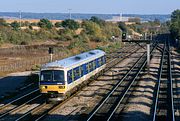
[
  {"x": 175, "y": 24},
  {"x": 45, "y": 23},
  {"x": 71, "y": 24},
  {"x": 97, "y": 20},
  {"x": 26, "y": 23},
  {"x": 136, "y": 20},
  {"x": 94, "y": 30},
  {"x": 157, "y": 21},
  {"x": 91, "y": 28},
  {"x": 15, "y": 25},
  {"x": 58, "y": 24},
  {"x": 2, "y": 22},
  {"x": 123, "y": 26},
  {"x": 34, "y": 24}
]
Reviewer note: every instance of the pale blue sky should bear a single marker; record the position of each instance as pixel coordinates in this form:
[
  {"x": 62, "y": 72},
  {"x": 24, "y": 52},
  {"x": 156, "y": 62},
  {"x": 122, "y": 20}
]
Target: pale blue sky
[{"x": 91, "y": 6}]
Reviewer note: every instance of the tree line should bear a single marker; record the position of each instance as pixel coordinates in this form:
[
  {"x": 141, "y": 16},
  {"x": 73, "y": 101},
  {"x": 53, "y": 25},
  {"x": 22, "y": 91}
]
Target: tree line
[
  {"x": 94, "y": 29},
  {"x": 175, "y": 24}
]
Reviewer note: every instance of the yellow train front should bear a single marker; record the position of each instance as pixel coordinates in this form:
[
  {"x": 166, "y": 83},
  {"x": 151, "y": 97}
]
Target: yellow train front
[
  {"x": 58, "y": 79},
  {"x": 52, "y": 84}
]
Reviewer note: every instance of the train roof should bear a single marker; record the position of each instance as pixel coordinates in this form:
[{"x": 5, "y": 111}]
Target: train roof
[{"x": 70, "y": 61}]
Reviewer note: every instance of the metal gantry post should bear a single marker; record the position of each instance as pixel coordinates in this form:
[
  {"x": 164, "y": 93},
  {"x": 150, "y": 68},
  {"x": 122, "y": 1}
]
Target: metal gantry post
[
  {"x": 145, "y": 35},
  {"x": 51, "y": 57},
  {"x": 148, "y": 56}
]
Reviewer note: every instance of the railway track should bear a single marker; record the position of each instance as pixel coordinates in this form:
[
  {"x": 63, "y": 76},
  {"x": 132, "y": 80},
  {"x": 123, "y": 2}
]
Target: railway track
[
  {"x": 108, "y": 107},
  {"x": 39, "y": 112},
  {"x": 9, "y": 107},
  {"x": 164, "y": 102},
  {"x": 23, "y": 108},
  {"x": 175, "y": 74}
]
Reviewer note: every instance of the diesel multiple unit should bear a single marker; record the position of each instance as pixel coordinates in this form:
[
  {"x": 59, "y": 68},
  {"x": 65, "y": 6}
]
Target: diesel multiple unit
[{"x": 59, "y": 78}]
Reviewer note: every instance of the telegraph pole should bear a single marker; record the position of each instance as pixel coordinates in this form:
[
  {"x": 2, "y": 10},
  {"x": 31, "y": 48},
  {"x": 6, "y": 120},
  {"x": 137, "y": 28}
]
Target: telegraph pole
[
  {"x": 120, "y": 17},
  {"x": 20, "y": 17},
  {"x": 69, "y": 13}
]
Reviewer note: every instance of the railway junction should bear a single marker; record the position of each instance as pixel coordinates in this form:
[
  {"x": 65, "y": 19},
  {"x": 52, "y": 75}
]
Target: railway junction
[{"x": 126, "y": 90}]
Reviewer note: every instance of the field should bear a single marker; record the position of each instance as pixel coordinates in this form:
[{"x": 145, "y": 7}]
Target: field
[
  {"x": 29, "y": 20},
  {"x": 15, "y": 58},
  {"x": 20, "y": 58}
]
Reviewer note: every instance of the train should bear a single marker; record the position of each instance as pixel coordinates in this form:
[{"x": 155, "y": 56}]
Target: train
[{"x": 60, "y": 78}]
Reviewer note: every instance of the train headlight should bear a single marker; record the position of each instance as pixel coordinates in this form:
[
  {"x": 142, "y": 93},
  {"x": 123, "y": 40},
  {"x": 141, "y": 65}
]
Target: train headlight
[
  {"x": 44, "y": 87},
  {"x": 61, "y": 87}
]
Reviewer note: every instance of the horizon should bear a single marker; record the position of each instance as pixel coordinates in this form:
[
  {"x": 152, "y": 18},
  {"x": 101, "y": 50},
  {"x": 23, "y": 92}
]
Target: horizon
[
  {"x": 91, "y": 7},
  {"x": 85, "y": 13}
]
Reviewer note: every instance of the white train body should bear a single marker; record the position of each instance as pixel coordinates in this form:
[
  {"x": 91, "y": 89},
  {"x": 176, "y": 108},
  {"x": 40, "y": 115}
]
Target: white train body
[{"x": 59, "y": 77}]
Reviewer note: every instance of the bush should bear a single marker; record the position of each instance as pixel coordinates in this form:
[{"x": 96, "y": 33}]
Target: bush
[
  {"x": 45, "y": 23},
  {"x": 36, "y": 67},
  {"x": 123, "y": 26},
  {"x": 15, "y": 25},
  {"x": 65, "y": 37},
  {"x": 24, "y": 43},
  {"x": 58, "y": 24},
  {"x": 3, "y": 22},
  {"x": 79, "y": 44},
  {"x": 70, "y": 24},
  {"x": 97, "y": 20}
]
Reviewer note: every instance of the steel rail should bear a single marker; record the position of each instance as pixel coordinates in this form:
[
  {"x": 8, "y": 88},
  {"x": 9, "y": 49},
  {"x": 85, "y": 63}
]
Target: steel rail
[
  {"x": 127, "y": 91},
  {"x": 159, "y": 82},
  {"x": 18, "y": 99},
  {"x": 120, "y": 101},
  {"x": 59, "y": 105},
  {"x": 171, "y": 84},
  {"x": 19, "y": 107},
  {"x": 119, "y": 83},
  {"x": 25, "y": 116}
]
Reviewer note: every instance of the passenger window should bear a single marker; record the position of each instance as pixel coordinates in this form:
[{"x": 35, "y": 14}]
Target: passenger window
[
  {"x": 77, "y": 73},
  {"x": 82, "y": 71},
  {"x": 99, "y": 62},
  {"x": 102, "y": 58},
  {"x": 73, "y": 75},
  {"x": 94, "y": 65},
  {"x": 90, "y": 66},
  {"x": 70, "y": 76},
  {"x": 87, "y": 68}
]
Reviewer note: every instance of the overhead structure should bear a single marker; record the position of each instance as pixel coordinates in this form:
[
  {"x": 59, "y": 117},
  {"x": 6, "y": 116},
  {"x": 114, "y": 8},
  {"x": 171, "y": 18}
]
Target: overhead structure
[{"x": 124, "y": 39}]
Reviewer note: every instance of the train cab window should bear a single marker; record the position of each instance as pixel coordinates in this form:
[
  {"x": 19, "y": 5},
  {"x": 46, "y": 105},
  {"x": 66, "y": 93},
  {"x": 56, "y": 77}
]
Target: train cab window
[
  {"x": 46, "y": 76},
  {"x": 59, "y": 76},
  {"x": 53, "y": 76}
]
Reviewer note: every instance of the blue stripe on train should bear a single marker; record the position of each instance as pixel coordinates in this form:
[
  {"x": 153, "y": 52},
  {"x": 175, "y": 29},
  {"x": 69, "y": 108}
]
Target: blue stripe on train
[{"x": 50, "y": 83}]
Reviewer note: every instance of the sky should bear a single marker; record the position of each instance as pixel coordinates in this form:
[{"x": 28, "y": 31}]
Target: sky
[{"x": 91, "y": 6}]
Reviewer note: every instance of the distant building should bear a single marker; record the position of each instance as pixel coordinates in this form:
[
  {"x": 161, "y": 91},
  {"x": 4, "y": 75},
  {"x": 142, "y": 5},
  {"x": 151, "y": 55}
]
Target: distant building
[
  {"x": 118, "y": 19},
  {"x": 132, "y": 20}
]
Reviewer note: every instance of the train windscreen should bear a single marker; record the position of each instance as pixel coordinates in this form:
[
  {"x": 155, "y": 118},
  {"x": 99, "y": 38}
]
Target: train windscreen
[{"x": 52, "y": 76}]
